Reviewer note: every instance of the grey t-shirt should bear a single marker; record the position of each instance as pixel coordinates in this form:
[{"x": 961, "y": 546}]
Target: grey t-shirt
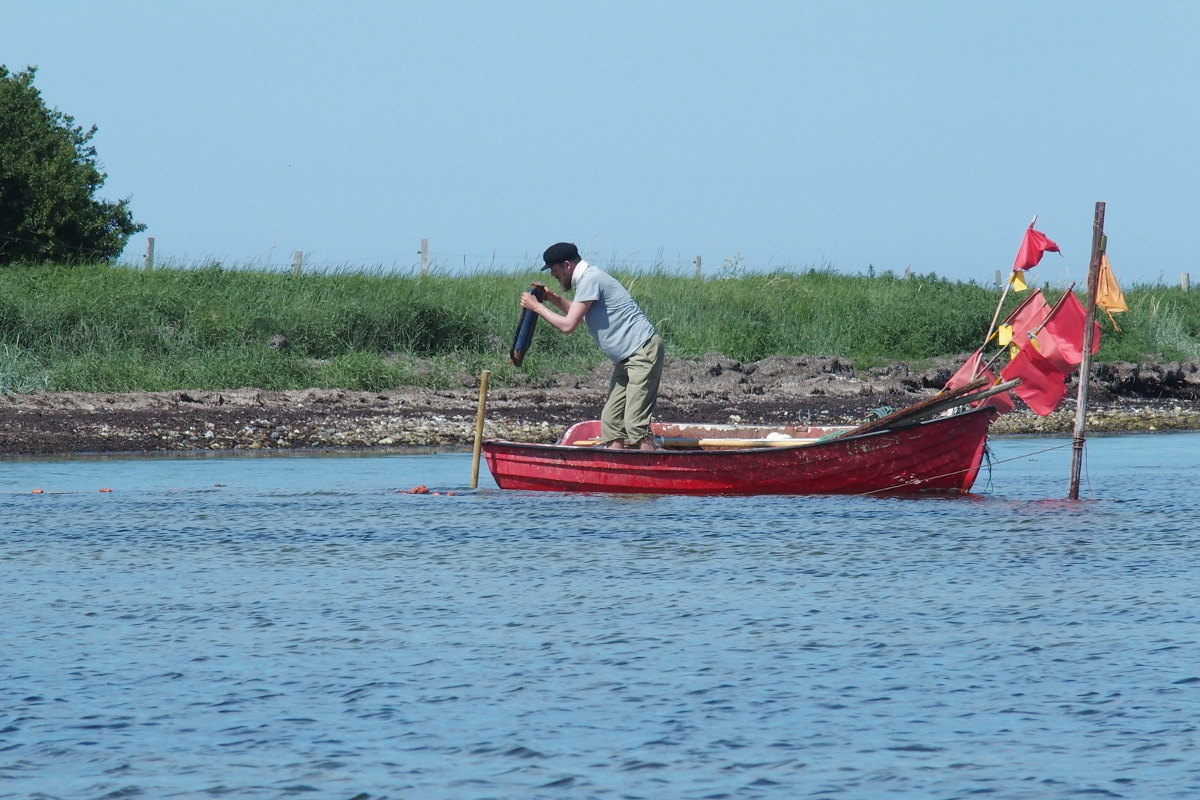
[{"x": 613, "y": 319}]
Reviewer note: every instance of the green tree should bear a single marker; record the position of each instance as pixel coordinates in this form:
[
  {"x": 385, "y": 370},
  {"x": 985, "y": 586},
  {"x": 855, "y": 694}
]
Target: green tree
[{"x": 49, "y": 176}]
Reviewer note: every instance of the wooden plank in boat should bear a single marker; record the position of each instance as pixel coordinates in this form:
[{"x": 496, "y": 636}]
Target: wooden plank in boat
[{"x": 699, "y": 444}]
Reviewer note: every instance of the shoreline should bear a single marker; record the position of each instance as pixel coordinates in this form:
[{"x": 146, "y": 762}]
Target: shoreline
[{"x": 778, "y": 390}]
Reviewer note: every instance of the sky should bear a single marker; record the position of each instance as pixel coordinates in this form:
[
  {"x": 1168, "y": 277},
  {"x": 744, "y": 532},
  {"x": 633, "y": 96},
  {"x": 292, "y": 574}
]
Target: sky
[{"x": 879, "y": 134}]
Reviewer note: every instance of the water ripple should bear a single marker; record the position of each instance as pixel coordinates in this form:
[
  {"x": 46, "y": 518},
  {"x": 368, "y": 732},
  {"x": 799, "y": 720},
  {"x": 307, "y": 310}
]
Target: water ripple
[{"x": 288, "y": 634}]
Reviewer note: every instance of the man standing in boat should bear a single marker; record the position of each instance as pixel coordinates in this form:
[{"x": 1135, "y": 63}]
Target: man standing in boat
[{"x": 623, "y": 332}]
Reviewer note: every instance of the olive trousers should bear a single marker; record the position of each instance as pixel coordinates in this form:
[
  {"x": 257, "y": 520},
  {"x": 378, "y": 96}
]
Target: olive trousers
[{"x": 633, "y": 394}]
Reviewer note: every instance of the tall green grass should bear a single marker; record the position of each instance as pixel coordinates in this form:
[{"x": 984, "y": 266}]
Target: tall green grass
[{"x": 99, "y": 328}]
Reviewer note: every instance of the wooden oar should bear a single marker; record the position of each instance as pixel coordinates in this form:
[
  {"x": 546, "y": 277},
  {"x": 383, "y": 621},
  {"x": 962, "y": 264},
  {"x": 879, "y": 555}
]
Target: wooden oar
[
  {"x": 679, "y": 442},
  {"x": 932, "y": 406}
]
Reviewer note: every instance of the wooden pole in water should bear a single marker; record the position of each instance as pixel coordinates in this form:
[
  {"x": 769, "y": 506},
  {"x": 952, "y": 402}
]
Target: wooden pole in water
[
  {"x": 483, "y": 382},
  {"x": 1099, "y": 245}
]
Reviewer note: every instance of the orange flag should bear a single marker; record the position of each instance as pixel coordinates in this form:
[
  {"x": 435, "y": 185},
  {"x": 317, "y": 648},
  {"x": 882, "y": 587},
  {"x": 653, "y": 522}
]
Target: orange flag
[
  {"x": 1061, "y": 339},
  {"x": 1108, "y": 292},
  {"x": 1042, "y": 386}
]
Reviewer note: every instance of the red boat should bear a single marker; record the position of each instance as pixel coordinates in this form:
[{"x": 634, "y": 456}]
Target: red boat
[{"x": 942, "y": 454}]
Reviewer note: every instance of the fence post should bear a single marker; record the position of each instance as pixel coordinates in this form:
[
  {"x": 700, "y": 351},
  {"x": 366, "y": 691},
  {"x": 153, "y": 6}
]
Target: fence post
[
  {"x": 149, "y": 253},
  {"x": 999, "y": 282},
  {"x": 297, "y": 261},
  {"x": 424, "y": 257},
  {"x": 1185, "y": 280},
  {"x": 697, "y": 266}
]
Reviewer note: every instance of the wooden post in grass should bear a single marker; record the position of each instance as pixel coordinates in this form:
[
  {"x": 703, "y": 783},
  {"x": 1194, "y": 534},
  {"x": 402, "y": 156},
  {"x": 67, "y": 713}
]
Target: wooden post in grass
[
  {"x": 149, "y": 254},
  {"x": 1099, "y": 243},
  {"x": 697, "y": 266},
  {"x": 424, "y": 257},
  {"x": 1185, "y": 280},
  {"x": 297, "y": 261}
]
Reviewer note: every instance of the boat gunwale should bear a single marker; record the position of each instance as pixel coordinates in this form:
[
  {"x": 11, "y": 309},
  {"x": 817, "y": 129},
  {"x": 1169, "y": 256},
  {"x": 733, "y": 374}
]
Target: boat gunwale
[{"x": 725, "y": 451}]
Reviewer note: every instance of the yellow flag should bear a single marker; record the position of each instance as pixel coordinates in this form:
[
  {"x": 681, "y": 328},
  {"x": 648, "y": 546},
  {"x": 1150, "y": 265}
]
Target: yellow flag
[
  {"x": 1108, "y": 293},
  {"x": 1018, "y": 283},
  {"x": 1003, "y": 335}
]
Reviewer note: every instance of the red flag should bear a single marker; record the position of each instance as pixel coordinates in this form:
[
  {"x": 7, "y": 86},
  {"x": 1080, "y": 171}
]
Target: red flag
[
  {"x": 1042, "y": 386},
  {"x": 968, "y": 372},
  {"x": 1061, "y": 338},
  {"x": 1002, "y": 402},
  {"x": 1030, "y": 314},
  {"x": 1032, "y": 246}
]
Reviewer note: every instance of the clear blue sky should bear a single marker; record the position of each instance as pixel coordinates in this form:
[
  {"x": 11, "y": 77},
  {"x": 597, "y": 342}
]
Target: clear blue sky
[{"x": 920, "y": 135}]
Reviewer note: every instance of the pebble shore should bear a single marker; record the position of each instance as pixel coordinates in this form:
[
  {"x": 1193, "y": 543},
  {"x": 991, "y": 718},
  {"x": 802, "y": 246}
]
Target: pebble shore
[
  {"x": 1126, "y": 398},
  {"x": 99, "y": 433},
  {"x": 457, "y": 431},
  {"x": 376, "y": 433}
]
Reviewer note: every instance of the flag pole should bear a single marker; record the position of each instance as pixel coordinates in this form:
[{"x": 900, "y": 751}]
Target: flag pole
[
  {"x": 1003, "y": 295},
  {"x": 1099, "y": 245},
  {"x": 996, "y": 316}
]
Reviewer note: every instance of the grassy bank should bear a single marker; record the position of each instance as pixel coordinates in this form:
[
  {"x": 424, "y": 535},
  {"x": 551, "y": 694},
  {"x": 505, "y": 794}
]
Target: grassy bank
[{"x": 98, "y": 328}]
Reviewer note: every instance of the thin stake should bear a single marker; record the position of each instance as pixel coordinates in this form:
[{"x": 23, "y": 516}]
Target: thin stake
[
  {"x": 483, "y": 382},
  {"x": 1085, "y": 362}
]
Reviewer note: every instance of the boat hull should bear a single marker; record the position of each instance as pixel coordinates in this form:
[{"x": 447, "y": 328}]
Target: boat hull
[{"x": 940, "y": 455}]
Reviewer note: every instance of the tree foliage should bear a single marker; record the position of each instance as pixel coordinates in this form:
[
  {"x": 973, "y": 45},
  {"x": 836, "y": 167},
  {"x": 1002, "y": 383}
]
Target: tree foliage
[{"x": 49, "y": 175}]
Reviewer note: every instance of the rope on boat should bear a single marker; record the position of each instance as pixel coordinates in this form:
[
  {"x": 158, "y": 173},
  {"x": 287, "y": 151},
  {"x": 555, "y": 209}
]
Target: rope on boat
[{"x": 919, "y": 481}]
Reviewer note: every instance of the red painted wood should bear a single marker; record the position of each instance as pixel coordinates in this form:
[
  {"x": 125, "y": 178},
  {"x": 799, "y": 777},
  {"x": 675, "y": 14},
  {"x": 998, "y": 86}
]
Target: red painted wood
[{"x": 943, "y": 454}]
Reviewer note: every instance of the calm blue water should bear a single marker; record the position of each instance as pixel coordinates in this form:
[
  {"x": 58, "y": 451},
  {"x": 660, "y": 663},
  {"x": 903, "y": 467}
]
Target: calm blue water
[{"x": 293, "y": 627}]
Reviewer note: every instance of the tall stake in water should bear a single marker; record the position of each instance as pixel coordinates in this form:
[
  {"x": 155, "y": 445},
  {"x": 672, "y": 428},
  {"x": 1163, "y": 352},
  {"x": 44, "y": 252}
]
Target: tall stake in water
[{"x": 1099, "y": 244}]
